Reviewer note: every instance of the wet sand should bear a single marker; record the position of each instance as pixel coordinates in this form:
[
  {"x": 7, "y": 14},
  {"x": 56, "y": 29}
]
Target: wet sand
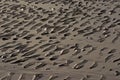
[{"x": 59, "y": 40}]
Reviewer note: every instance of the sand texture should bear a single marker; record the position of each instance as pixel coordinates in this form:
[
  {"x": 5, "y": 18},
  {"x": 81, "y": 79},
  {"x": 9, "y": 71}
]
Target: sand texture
[{"x": 59, "y": 39}]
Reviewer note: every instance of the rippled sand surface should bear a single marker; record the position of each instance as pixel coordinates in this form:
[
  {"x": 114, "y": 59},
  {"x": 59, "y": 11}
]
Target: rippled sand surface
[{"x": 59, "y": 39}]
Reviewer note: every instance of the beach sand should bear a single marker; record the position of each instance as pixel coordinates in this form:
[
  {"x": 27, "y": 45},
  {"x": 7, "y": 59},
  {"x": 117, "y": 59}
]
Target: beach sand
[{"x": 59, "y": 39}]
